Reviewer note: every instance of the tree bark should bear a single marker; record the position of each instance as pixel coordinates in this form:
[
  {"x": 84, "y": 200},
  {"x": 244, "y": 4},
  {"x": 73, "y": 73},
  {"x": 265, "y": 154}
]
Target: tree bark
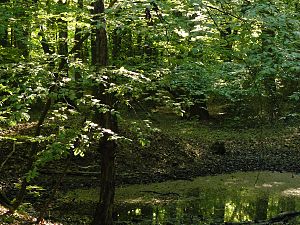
[
  {"x": 63, "y": 43},
  {"x": 99, "y": 37},
  {"x": 107, "y": 147}
]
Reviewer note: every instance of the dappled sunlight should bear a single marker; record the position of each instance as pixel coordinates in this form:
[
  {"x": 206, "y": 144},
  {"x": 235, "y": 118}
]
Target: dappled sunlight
[
  {"x": 19, "y": 218},
  {"x": 17, "y": 129},
  {"x": 15, "y": 218},
  {"x": 267, "y": 185},
  {"x": 176, "y": 97},
  {"x": 143, "y": 200},
  {"x": 292, "y": 192},
  {"x": 181, "y": 32},
  {"x": 270, "y": 185},
  {"x": 229, "y": 183},
  {"x": 236, "y": 213},
  {"x": 3, "y": 210},
  {"x": 135, "y": 200}
]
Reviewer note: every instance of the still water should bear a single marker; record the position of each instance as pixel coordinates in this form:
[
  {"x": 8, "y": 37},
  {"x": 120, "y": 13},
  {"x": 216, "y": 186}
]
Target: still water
[{"x": 237, "y": 197}]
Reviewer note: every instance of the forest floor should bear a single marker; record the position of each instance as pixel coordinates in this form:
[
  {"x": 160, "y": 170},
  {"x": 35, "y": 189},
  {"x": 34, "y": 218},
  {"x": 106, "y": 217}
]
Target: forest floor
[{"x": 178, "y": 149}]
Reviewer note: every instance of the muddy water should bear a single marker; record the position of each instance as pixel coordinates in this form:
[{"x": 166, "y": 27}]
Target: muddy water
[{"x": 244, "y": 196}]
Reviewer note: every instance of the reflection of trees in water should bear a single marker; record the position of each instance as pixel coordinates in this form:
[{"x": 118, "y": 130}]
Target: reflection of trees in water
[
  {"x": 134, "y": 212},
  {"x": 262, "y": 205},
  {"x": 171, "y": 213},
  {"x": 219, "y": 210},
  {"x": 211, "y": 206},
  {"x": 286, "y": 204},
  {"x": 239, "y": 205},
  {"x": 278, "y": 204},
  {"x": 146, "y": 211}
]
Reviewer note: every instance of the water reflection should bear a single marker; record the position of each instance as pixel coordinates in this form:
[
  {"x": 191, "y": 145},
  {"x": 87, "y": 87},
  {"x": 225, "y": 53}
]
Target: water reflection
[{"x": 212, "y": 206}]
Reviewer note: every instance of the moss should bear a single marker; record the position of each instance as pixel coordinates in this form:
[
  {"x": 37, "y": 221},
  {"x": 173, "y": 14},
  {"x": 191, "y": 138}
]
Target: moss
[
  {"x": 253, "y": 182},
  {"x": 82, "y": 195}
]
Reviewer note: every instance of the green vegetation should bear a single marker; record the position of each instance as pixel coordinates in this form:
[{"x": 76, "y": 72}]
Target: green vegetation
[
  {"x": 282, "y": 183},
  {"x": 133, "y": 88}
]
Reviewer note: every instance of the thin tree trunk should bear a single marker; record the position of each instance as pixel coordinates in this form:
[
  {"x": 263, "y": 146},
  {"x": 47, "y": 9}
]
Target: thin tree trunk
[
  {"x": 267, "y": 37},
  {"x": 63, "y": 42},
  {"x": 4, "y": 37},
  {"x": 34, "y": 148},
  {"x": 78, "y": 30},
  {"x": 116, "y": 43}
]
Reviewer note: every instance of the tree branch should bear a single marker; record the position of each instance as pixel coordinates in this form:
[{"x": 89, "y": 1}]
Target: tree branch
[
  {"x": 226, "y": 13},
  {"x": 77, "y": 45},
  {"x": 9, "y": 155}
]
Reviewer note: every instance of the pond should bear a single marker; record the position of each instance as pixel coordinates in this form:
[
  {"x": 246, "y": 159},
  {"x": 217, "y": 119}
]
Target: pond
[{"x": 237, "y": 197}]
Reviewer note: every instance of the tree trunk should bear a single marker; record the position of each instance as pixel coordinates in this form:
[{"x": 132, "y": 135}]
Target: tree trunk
[
  {"x": 4, "y": 37},
  {"x": 63, "y": 42},
  {"x": 78, "y": 36},
  {"x": 116, "y": 43},
  {"x": 267, "y": 38},
  {"x": 104, "y": 210},
  {"x": 99, "y": 38},
  {"x": 107, "y": 147},
  {"x": 21, "y": 40}
]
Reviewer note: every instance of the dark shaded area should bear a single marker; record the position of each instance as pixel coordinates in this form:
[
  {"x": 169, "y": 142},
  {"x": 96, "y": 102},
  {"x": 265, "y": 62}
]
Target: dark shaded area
[
  {"x": 194, "y": 105},
  {"x": 218, "y": 148}
]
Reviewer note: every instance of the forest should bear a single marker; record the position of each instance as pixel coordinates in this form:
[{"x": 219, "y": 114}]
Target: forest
[{"x": 120, "y": 112}]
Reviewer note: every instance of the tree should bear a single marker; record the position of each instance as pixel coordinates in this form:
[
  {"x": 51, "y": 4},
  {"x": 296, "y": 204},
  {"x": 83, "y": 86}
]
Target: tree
[{"x": 106, "y": 120}]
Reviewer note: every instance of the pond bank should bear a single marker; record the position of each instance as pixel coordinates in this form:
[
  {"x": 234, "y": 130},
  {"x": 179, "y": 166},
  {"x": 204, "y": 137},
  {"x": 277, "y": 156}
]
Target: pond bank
[{"x": 182, "y": 150}]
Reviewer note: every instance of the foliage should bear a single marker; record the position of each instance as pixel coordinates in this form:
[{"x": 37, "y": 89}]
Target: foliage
[{"x": 239, "y": 54}]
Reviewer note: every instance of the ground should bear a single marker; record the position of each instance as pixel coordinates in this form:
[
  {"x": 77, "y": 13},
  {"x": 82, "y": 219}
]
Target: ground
[{"x": 177, "y": 149}]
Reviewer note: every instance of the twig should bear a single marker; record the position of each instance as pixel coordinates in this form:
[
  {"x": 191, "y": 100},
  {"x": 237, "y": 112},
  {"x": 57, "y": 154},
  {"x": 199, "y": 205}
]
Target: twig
[
  {"x": 214, "y": 21},
  {"x": 226, "y": 13},
  {"x": 10, "y": 154}
]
